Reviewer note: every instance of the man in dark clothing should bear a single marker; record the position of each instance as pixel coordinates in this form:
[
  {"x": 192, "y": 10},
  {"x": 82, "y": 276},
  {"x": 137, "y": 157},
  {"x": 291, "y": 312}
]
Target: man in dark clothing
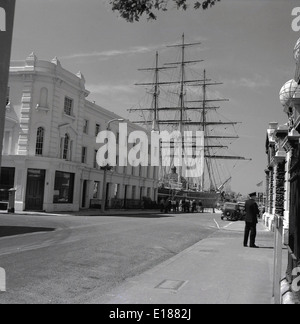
[{"x": 252, "y": 213}]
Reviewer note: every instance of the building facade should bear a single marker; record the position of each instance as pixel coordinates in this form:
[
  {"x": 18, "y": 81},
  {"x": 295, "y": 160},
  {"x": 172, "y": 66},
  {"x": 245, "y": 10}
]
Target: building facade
[
  {"x": 49, "y": 152},
  {"x": 283, "y": 189}
]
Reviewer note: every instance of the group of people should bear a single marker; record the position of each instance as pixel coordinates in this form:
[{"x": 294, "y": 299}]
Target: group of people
[{"x": 184, "y": 206}]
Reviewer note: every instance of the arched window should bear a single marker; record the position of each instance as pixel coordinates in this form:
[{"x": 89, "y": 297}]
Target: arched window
[
  {"x": 66, "y": 147},
  {"x": 40, "y": 141},
  {"x": 44, "y": 98},
  {"x": 2, "y": 19}
]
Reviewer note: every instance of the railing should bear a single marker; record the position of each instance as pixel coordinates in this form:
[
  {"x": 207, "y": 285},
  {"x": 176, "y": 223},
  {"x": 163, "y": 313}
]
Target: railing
[{"x": 278, "y": 220}]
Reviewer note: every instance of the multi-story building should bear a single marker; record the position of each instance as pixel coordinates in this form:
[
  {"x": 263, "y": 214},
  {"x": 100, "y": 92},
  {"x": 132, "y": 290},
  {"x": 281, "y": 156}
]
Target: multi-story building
[
  {"x": 49, "y": 152},
  {"x": 283, "y": 188}
]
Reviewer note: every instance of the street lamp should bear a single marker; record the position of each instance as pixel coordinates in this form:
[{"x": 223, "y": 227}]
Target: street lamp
[{"x": 107, "y": 168}]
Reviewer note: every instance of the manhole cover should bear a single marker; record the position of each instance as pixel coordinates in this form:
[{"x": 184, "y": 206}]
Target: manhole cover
[{"x": 171, "y": 284}]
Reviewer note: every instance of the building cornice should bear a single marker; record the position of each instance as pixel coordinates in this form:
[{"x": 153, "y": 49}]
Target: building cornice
[{"x": 52, "y": 70}]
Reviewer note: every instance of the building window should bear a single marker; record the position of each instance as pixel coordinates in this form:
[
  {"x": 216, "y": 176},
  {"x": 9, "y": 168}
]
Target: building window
[
  {"x": 141, "y": 193},
  {"x": 70, "y": 151},
  {"x": 84, "y": 155},
  {"x": 149, "y": 192},
  {"x": 7, "y": 179},
  {"x": 66, "y": 144},
  {"x": 86, "y": 127},
  {"x": 40, "y": 141},
  {"x": 117, "y": 191},
  {"x": 95, "y": 160},
  {"x": 63, "y": 188},
  {"x": 98, "y": 129},
  {"x": 133, "y": 192},
  {"x": 68, "y": 107},
  {"x": 96, "y": 194}
]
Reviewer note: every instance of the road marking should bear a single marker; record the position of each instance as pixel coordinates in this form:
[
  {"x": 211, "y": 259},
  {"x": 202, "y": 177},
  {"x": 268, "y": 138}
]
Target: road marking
[
  {"x": 228, "y": 225},
  {"x": 217, "y": 224}
]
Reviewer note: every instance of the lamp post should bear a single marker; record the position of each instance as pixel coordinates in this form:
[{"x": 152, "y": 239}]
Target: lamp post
[
  {"x": 7, "y": 14},
  {"x": 107, "y": 168}
]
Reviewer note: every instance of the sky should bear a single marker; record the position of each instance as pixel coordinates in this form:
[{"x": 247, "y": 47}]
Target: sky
[{"x": 246, "y": 44}]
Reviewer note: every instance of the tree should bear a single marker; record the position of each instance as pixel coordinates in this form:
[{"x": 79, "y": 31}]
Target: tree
[{"x": 133, "y": 10}]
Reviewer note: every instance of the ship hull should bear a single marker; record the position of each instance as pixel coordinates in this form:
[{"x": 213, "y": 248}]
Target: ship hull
[{"x": 208, "y": 199}]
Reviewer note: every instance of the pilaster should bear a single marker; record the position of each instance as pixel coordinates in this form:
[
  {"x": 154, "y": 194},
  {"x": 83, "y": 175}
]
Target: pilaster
[
  {"x": 54, "y": 149},
  {"x": 26, "y": 103}
]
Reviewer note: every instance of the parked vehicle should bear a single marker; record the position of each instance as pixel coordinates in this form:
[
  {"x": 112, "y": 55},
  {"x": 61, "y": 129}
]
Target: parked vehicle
[
  {"x": 242, "y": 206},
  {"x": 232, "y": 212}
]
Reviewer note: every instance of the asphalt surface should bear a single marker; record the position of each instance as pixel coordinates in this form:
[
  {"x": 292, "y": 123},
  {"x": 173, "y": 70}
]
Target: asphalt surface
[
  {"x": 216, "y": 270},
  {"x": 85, "y": 258}
]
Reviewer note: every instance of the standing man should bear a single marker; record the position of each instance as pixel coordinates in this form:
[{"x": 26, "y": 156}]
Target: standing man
[{"x": 252, "y": 213}]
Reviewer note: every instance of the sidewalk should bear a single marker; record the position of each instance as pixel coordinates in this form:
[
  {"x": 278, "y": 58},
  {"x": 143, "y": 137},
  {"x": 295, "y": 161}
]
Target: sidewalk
[
  {"x": 97, "y": 213},
  {"x": 92, "y": 213},
  {"x": 217, "y": 270}
]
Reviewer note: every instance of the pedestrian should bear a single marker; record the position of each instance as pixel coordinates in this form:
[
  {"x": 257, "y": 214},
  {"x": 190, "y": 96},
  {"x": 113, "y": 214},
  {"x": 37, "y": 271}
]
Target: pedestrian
[
  {"x": 187, "y": 206},
  {"x": 168, "y": 206},
  {"x": 201, "y": 209},
  {"x": 162, "y": 205},
  {"x": 194, "y": 206},
  {"x": 177, "y": 206},
  {"x": 252, "y": 213}
]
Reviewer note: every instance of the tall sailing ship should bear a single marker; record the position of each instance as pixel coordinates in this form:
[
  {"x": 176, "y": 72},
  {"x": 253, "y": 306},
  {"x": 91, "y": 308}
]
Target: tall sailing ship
[{"x": 181, "y": 101}]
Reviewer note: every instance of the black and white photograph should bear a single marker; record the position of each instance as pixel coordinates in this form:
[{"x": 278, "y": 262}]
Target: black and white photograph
[{"x": 150, "y": 154}]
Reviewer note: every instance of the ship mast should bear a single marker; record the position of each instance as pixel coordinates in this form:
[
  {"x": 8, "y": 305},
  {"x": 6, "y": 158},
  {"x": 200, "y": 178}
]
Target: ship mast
[
  {"x": 156, "y": 84},
  {"x": 202, "y": 106}
]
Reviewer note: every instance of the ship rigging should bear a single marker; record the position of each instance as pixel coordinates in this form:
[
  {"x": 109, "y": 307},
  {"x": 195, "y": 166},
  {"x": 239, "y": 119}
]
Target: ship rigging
[{"x": 190, "y": 111}]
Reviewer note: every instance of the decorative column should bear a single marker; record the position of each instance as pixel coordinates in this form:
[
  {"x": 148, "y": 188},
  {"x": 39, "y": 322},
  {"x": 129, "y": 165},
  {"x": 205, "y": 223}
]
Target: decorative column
[
  {"x": 279, "y": 166},
  {"x": 271, "y": 198},
  {"x": 280, "y": 188},
  {"x": 267, "y": 171},
  {"x": 280, "y": 162},
  {"x": 25, "y": 118}
]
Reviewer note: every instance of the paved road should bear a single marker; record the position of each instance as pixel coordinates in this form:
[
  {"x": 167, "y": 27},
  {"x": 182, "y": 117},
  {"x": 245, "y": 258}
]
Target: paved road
[{"x": 87, "y": 257}]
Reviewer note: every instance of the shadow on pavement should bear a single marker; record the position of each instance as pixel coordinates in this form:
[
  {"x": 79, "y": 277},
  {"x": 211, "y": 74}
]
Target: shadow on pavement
[
  {"x": 133, "y": 215},
  {"x": 19, "y": 230}
]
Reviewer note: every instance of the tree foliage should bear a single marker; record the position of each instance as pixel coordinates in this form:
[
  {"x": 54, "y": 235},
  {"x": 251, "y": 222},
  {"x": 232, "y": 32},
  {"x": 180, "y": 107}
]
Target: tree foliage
[{"x": 133, "y": 10}]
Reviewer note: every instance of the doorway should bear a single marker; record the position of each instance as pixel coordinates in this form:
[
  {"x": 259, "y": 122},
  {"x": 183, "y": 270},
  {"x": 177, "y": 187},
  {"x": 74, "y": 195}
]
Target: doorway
[
  {"x": 84, "y": 191},
  {"x": 35, "y": 189}
]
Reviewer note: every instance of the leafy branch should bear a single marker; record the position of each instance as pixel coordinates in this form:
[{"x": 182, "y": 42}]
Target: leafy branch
[{"x": 133, "y": 10}]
